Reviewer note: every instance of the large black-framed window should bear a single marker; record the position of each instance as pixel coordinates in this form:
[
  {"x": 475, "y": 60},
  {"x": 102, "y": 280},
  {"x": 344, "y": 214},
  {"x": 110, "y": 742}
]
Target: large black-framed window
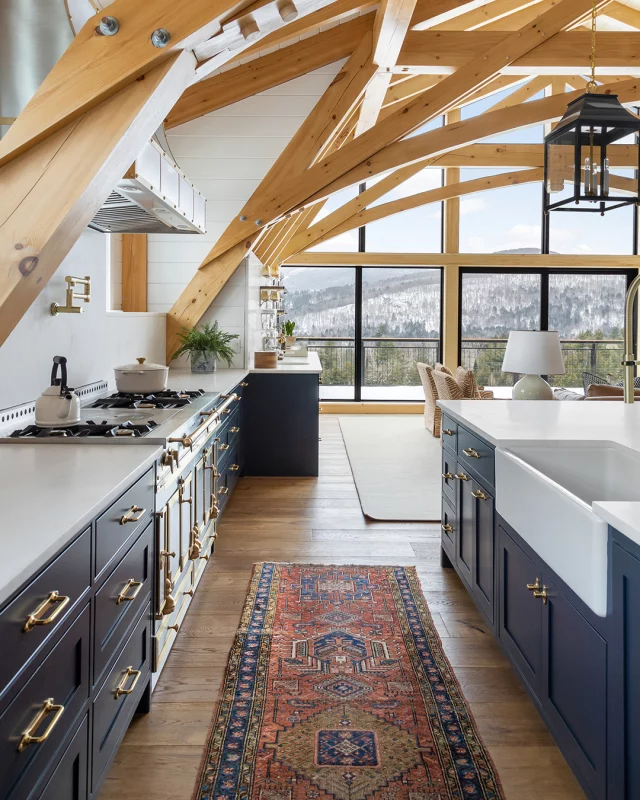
[
  {"x": 369, "y": 325},
  {"x": 586, "y": 306}
]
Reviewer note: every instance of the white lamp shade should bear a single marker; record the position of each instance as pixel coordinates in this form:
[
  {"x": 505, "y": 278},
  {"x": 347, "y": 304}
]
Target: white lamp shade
[{"x": 534, "y": 353}]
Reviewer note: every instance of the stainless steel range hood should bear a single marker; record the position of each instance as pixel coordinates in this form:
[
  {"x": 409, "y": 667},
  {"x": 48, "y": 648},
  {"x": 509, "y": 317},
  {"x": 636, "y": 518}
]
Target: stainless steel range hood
[{"x": 155, "y": 196}]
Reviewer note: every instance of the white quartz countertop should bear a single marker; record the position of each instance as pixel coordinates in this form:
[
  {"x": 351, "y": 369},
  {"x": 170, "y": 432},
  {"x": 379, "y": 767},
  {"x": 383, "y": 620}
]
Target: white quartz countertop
[
  {"x": 223, "y": 380},
  {"x": 51, "y": 493},
  {"x": 509, "y": 423}
]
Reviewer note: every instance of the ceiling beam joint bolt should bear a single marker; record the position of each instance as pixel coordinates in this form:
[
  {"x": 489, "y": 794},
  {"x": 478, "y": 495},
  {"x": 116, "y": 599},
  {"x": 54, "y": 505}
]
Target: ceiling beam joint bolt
[
  {"x": 108, "y": 26},
  {"x": 160, "y": 37}
]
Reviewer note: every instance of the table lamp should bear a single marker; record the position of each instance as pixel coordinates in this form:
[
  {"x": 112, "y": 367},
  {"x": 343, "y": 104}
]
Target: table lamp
[{"x": 533, "y": 353}]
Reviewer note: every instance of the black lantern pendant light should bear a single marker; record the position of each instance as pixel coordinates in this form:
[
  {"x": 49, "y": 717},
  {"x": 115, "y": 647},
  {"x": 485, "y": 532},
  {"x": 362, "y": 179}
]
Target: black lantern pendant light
[{"x": 577, "y": 176}]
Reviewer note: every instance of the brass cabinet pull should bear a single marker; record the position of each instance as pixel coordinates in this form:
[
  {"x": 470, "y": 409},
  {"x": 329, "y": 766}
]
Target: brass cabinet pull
[
  {"x": 52, "y": 598},
  {"x": 235, "y": 429},
  {"x": 195, "y": 549},
  {"x": 542, "y": 594},
  {"x": 244, "y": 383},
  {"x": 129, "y": 672},
  {"x": 479, "y": 495},
  {"x": 227, "y": 410},
  {"x": 186, "y": 500},
  {"x": 123, "y": 597},
  {"x": 28, "y": 736},
  {"x": 447, "y": 528},
  {"x": 169, "y": 553},
  {"x": 224, "y": 446},
  {"x": 130, "y": 516},
  {"x": 447, "y": 476},
  {"x": 461, "y": 476},
  {"x": 214, "y": 511},
  {"x": 189, "y": 592},
  {"x": 223, "y": 490},
  {"x": 534, "y": 586},
  {"x": 175, "y": 627},
  {"x": 205, "y": 558},
  {"x": 448, "y": 431},
  {"x": 471, "y": 453},
  {"x": 234, "y": 467}
]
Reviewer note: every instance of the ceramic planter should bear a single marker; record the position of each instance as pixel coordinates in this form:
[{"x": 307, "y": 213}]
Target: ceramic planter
[{"x": 203, "y": 362}]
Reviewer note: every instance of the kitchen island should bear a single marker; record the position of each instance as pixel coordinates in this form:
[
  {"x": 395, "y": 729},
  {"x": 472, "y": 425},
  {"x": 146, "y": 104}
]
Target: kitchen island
[{"x": 540, "y": 520}]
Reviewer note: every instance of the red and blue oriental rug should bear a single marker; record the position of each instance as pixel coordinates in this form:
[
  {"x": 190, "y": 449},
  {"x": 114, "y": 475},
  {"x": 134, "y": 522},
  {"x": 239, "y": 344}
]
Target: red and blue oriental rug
[{"x": 337, "y": 688}]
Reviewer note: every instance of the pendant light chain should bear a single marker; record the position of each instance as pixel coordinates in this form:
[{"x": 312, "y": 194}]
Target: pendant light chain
[{"x": 591, "y": 85}]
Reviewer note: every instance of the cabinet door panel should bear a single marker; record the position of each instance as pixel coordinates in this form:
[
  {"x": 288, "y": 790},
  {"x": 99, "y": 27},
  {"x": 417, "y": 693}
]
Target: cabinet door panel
[
  {"x": 449, "y": 526},
  {"x": 624, "y": 708},
  {"x": 69, "y": 781},
  {"x": 520, "y": 626},
  {"x": 483, "y": 568},
  {"x": 574, "y": 677},
  {"x": 449, "y": 482},
  {"x": 466, "y": 529}
]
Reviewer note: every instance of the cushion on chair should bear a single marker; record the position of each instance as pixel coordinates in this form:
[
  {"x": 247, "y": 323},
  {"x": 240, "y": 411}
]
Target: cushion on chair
[
  {"x": 441, "y": 368},
  {"x": 432, "y": 414},
  {"x": 447, "y": 386}
]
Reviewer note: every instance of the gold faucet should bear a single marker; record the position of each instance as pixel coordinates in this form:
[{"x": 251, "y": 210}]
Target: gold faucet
[
  {"x": 630, "y": 359},
  {"x": 68, "y": 307}
]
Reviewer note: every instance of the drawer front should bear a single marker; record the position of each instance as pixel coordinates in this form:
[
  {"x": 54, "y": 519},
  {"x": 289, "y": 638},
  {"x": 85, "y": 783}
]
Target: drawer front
[
  {"x": 120, "y": 600},
  {"x": 476, "y": 455},
  {"x": 70, "y": 779},
  {"x": 449, "y": 430},
  {"x": 42, "y": 609},
  {"x": 118, "y": 526},
  {"x": 449, "y": 483},
  {"x": 46, "y": 709},
  {"x": 449, "y": 529},
  {"x": 116, "y": 701},
  {"x": 167, "y": 629}
]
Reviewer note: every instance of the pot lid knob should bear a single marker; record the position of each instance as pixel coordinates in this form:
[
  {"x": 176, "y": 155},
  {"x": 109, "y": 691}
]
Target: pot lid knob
[{"x": 141, "y": 360}]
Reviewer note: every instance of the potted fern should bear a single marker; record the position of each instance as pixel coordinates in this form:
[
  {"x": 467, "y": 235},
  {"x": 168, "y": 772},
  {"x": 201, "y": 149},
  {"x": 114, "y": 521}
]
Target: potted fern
[
  {"x": 288, "y": 327},
  {"x": 206, "y": 345}
]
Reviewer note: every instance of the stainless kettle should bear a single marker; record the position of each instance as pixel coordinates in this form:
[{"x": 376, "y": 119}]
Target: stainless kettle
[{"x": 58, "y": 405}]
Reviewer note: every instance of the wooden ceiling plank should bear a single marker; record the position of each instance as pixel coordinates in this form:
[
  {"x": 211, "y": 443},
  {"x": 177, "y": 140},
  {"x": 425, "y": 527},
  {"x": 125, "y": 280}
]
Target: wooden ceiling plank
[
  {"x": 494, "y": 11},
  {"x": 434, "y": 101},
  {"x": 567, "y": 52},
  {"x": 623, "y": 13},
  {"x": 62, "y": 181},
  {"x": 269, "y": 71},
  {"x": 94, "y": 67},
  {"x": 435, "y": 12},
  {"x": 509, "y": 260}
]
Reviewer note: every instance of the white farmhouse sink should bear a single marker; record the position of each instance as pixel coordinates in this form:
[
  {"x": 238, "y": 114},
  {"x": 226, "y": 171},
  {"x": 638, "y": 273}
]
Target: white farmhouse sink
[{"x": 545, "y": 493}]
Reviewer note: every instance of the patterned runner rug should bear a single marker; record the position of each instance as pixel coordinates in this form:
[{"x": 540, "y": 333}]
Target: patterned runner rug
[{"x": 337, "y": 687}]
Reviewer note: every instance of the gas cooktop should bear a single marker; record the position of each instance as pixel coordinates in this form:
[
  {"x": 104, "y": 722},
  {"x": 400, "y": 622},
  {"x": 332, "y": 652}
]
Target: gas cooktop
[
  {"x": 85, "y": 429},
  {"x": 166, "y": 399}
]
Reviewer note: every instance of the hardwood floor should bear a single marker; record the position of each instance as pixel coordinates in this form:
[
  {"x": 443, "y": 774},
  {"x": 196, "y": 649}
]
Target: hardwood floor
[{"x": 319, "y": 521}]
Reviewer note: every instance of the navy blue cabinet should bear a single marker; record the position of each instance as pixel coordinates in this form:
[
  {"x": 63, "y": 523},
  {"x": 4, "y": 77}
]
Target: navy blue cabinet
[{"x": 624, "y": 714}]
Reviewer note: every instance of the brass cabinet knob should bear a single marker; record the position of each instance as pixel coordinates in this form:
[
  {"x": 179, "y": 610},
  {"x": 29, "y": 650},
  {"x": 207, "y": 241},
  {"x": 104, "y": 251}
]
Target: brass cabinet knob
[
  {"x": 447, "y": 528},
  {"x": 244, "y": 383},
  {"x": 534, "y": 586},
  {"x": 448, "y": 432},
  {"x": 542, "y": 594},
  {"x": 471, "y": 453},
  {"x": 448, "y": 476},
  {"x": 223, "y": 490},
  {"x": 224, "y": 446},
  {"x": 53, "y": 599},
  {"x": 234, "y": 467},
  {"x": 461, "y": 476},
  {"x": 479, "y": 495},
  {"x": 234, "y": 429},
  {"x": 168, "y": 553},
  {"x": 175, "y": 627}
]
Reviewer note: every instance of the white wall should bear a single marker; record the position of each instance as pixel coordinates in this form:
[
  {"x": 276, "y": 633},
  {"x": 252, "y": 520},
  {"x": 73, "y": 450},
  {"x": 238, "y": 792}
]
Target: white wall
[
  {"x": 94, "y": 341},
  {"x": 226, "y": 154}
]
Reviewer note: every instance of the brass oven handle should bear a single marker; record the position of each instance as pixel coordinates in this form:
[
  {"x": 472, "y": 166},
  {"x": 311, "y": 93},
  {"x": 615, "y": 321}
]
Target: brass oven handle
[
  {"x": 231, "y": 396},
  {"x": 224, "y": 446},
  {"x": 479, "y": 495},
  {"x": 234, "y": 429},
  {"x": 461, "y": 476},
  {"x": 471, "y": 453},
  {"x": 185, "y": 441},
  {"x": 34, "y": 619},
  {"x": 244, "y": 383},
  {"x": 123, "y": 597},
  {"x": 28, "y": 737},
  {"x": 234, "y": 467},
  {"x": 223, "y": 490},
  {"x": 447, "y": 476},
  {"x": 542, "y": 594},
  {"x": 130, "y": 671},
  {"x": 534, "y": 587},
  {"x": 447, "y": 528},
  {"x": 168, "y": 553},
  {"x": 448, "y": 431},
  {"x": 129, "y": 516},
  {"x": 186, "y": 500}
]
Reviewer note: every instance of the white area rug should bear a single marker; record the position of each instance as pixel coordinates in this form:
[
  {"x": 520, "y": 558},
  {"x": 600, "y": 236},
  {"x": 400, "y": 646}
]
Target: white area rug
[{"x": 396, "y": 464}]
